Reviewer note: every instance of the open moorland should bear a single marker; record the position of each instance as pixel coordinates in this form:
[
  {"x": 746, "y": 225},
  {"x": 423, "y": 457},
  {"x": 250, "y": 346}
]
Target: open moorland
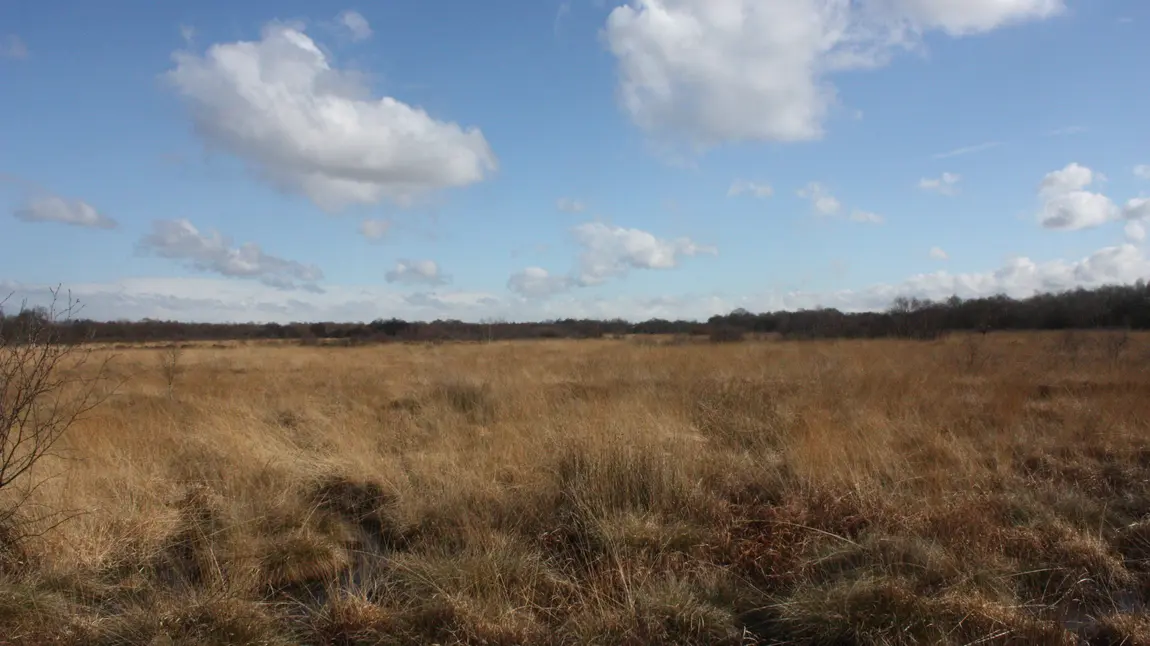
[{"x": 974, "y": 489}]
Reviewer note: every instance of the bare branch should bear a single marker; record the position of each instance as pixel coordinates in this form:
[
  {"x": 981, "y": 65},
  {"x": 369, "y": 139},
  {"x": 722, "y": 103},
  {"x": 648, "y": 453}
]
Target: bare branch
[{"x": 46, "y": 385}]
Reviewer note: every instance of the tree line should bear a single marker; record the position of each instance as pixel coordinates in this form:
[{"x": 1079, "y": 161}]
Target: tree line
[{"x": 1115, "y": 306}]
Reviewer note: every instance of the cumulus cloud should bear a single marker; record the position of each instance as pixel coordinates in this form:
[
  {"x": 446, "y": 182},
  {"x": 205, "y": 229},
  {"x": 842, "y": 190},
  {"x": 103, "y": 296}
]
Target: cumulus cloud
[
  {"x": 373, "y": 228},
  {"x": 355, "y": 24},
  {"x": 1137, "y": 209},
  {"x": 536, "y": 282},
  {"x": 939, "y": 254},
  {"x": 416, "y": 272},
  {"x": 1134, "y": 231},
  {"x": 607, "y": 252},
  {"x": 1074, "y": 177},
  {"x": 946, "y": 184},
  {"x": 756, "y": 189},
  {"x": 867, "y": 217},
  {"x": 1142, "y": 171},
  {"x": 718, "y": 71},
  {"x": 570, "y": 205},
  {"x": 212, "y": 252},
  {"x": 1066, "y": 204},
  {"x": 1021, "y": 276},
  {"x": 821, "y": 200},
  {"x": 11, "y": 46},
  {"x": 611, "y": 251},
  {"x": 310, "y": 128},
  {"x": 52, "y": 208}
]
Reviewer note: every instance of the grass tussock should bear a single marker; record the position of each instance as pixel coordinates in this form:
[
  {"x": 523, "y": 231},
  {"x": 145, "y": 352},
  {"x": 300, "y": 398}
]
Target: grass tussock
[{"x": 971, "y": 490}]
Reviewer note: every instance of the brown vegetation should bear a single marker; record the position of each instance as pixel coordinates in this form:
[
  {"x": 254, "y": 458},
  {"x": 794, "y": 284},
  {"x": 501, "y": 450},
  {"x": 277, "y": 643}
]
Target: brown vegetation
[{"x": 983, "y": 489}]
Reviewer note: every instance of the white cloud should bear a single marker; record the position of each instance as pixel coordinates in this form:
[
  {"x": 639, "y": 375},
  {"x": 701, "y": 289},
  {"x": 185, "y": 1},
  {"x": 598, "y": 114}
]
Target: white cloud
[
  {"x": 826, "y": 205},
  {"x": 1137, "y": 208},
  {"x": 416, "y": 272},
  {"x": 608, "y": 252},
  {"x": 1142, "y": 171},
  {"x": 11, "y": 46},
  {"x": 188, "y": 34},
  {"x": 821, "y": 200},
  {"x": 1077, "y": 210},
  {"x": 1021, "y": 276},
  {"x": 536, "y": 282},
  {"x": 1074, "y": 177},
  {"x": 374, "y": 228},
  {"x": 356, "y": 24},
  {"x": 1066, "y": 203},
  {"x": 218, "y": 300},
  {"x": 570, "y": 205},
  {"x": 1068, "y": 130},
  {"x": 939, "y": 254},
  {"x": 562, "y": 12},
  {"x": 181, "y": 240},
  {"x": 947, "y": 184},
  {"x": 968, "y": 150},
  {"x": 204, "y": 299},
  {"x": 611, "y": 251},
  {"x": 1134, "y": 231},
  {"x": 962, "y": 17},
  {"x": 733, "y": 70},
  {"x": 867, "y": 217},
  {"x": 52, "y": 208},
  {"x": 310, "y": 128},
  {"x": 757, "y": 189}
]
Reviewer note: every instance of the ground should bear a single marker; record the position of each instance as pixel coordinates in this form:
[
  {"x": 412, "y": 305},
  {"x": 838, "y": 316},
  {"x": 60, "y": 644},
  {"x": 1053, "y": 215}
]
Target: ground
[{"x": 974, "y": 489}]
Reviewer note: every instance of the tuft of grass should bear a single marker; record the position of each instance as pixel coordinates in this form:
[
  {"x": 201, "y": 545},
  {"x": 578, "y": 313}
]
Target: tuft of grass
[{"x": 469, "y": 398}]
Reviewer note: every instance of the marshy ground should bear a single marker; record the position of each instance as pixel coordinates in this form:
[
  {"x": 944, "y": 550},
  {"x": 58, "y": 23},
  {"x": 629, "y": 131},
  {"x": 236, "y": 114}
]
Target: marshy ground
[{"x": 983, "y": 489}]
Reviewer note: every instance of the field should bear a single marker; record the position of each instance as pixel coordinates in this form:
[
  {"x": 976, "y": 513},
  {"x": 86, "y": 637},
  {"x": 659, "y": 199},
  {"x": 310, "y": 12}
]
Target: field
[{"x": 977, "y": 489}]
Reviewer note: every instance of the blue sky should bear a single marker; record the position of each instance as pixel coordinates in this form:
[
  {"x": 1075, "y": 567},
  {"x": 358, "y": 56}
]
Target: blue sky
[{"x": 534, "y": 159}]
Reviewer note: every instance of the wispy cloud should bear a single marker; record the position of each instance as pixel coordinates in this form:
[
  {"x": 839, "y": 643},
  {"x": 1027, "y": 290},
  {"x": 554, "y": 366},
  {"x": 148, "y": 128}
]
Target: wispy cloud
[
  {"x": 12, "y": 47},
  {"x": 757, "y": 189},
  {"x": 356, "y": 25},
  {"x": 867, "y": 217},
  {"x": 947, "y": 184},
  {"x": 967, "y": 150},
  {"x": 570, "y": 205},
  {"x": 1069, "y": 130},
  {"x": 821, "y": 200},
  {"x": 53, "y": 208},
  {"x": 560, "y": 14},
  {"x": 213, "y": 252},
  {"x": 374, "y": 229}
]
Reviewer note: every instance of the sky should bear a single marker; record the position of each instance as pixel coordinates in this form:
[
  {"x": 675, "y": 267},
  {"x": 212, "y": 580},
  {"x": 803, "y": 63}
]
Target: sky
[{"x": 541, "y": 159}]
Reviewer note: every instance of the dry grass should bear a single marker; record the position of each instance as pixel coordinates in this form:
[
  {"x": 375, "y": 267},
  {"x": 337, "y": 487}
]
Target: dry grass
[{"x": 982, "y": 490}]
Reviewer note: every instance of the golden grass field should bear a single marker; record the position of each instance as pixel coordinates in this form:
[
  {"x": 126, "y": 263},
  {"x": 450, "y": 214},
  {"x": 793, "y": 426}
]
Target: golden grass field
[{"x": 971, "y": 490}]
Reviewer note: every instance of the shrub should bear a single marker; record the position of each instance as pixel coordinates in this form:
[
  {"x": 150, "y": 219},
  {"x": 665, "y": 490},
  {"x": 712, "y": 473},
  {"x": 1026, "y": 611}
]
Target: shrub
[{"x": 46, "y": 385}]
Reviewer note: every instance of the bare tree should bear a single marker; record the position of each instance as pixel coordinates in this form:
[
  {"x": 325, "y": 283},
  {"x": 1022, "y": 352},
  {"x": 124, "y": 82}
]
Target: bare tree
[{"x": 46, "y": 385}]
